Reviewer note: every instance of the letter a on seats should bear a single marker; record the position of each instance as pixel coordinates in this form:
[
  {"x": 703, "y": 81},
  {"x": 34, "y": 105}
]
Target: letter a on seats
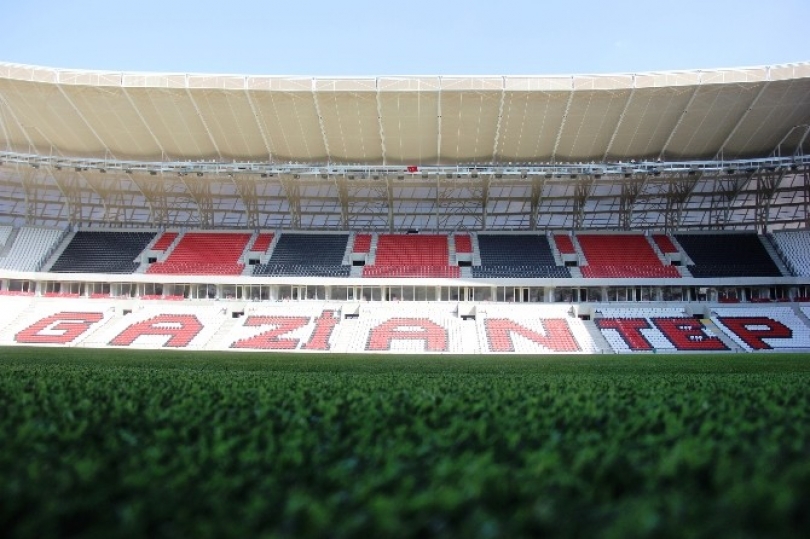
[
  {"x": 180, "y": 328},
  {"x": 558, "y": 336},
  {"x": 420, "y": 329}
]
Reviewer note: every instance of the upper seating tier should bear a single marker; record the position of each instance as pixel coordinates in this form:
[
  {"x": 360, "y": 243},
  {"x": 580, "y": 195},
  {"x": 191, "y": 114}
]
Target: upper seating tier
[
  {"x": 565, "y": 244},
  {"x": 362, "y": 243},
  {"x": 30, "y": 248},
  {"x": 205, "y": 253},
  {"x": 517, "y": 256},
  {"x": 794, "y": 246},
  {"x": 665, "y": 243},
  {"x": 412, "y": 255},
  {"x": 727, "y": 255},
  {"x": 621, "y": 256},
  {"x": 463, "y": 243},
  {"x": 165, "y": 241},
  {"x": 307, "y": 255},
  {"x": 262, "y": 242},
  {"x": 91, "y": 251}
]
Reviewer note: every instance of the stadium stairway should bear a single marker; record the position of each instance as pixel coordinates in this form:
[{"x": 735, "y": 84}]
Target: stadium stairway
[
  {"x": 222, "y": 338},
  {"x": 599, "y": 342},
  {"x": 555, "y": 251},
  {"x": 654, "y": 246},
  {"x": 767, "y": 242},
  {"x": 347, "y": 254},
  {"x": 167, "y": 252},
  {"x": 60, "y": 248},
  {"x": 9, "y": 242},
  {"x": 801, "y": 314},
  {"x": 372, "y": 251},
  {"x": 451, "y": 250},
  {"x": 712, "y": 329},
  {"x": 578, "y": 250},
  {"x": 245, "y": 256},
  {"x": 476, "y": 249}
]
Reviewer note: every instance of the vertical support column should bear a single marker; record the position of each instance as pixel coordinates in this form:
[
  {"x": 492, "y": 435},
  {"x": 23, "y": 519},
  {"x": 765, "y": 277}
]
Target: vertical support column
[
  {"x": 582, "y": 190},
  {"x": 293, "y": 192},
  {"x": 200, "y": 191},
  {"x": 389, "y": 189},
  {"x": 343, "y": 198},
  {"x": 246, "y": 188},
  {"x": 538, "y": 185},
  {"x": 154, "y": 190}
]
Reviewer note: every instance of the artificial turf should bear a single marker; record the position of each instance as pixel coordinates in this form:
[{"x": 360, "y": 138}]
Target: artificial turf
[{"x": 101, "y": 443}]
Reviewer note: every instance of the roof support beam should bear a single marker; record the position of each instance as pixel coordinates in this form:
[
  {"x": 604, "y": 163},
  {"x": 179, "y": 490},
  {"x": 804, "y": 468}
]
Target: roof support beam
[
  {"x": 798, "y": 149},
  {"x": 562, "y": 123},
  {"x": 259, "y": 124},
  {"x": 438, "y": 124},
  {"x": 320, "y": 120},
  {"x": 145, "y": 124},
  {"x": 202, "y": 120},
  {"x": 621, "y": 119},
  {"x": 31, "y": 146},
  {"x": 86, "y": 123},
  {"x": 680, "y": 120},
  {"x": 380, "y": 124},
  {"x": 500, "y": 119},
  {"x": 719, "y": 154}
]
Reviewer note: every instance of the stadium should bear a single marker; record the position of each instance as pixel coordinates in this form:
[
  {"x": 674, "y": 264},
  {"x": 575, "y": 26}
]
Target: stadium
[
  {"x": 662, "y": 211},
  {"x": 467, "y": 306}
]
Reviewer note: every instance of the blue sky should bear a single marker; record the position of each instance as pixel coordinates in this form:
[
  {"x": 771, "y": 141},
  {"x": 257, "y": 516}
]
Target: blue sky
[{"x": 394, "y": 37}]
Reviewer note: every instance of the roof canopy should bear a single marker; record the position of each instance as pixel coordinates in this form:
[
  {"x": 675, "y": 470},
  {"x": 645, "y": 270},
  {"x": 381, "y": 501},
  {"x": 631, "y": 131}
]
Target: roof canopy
[
  {"x": 438, "y": 120},
  {"x": 672, "y": 150}
]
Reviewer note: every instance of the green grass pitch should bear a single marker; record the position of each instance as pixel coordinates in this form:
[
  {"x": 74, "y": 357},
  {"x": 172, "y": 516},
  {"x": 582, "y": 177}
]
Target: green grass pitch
[{"x": 113, "y": 443}]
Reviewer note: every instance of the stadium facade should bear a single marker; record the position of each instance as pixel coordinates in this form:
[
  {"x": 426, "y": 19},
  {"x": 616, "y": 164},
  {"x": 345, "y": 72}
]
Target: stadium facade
[{"x": 653, "y": 211}]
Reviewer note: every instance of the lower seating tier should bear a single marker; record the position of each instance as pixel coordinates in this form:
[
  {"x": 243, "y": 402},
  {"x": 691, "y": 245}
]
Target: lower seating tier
[
  {"x": 451, "y": 272},
  {"x": 196, "y": 268},
  {"x": 519, "y": 272},
  {"x": 301, "y": 270},
  {"x": 630, "y": 272},
  {"x": 735, "y": 270},
  {"x": 102, "y": 252}
]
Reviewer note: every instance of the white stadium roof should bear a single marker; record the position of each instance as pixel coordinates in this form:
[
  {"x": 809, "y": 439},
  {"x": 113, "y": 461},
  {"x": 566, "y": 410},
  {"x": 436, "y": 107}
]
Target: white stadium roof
[{"x": 680, "y": 149}]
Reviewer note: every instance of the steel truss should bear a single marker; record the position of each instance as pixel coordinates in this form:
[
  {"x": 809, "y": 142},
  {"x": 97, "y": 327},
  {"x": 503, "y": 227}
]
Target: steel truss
[{"x": 755, "y": 194}]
